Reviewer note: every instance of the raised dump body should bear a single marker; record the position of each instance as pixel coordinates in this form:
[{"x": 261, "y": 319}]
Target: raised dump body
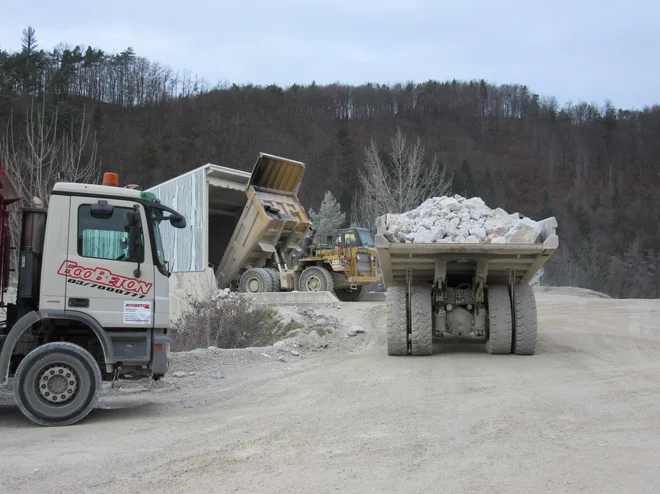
[
  {"x": 463, "y": 289},
  {"x": 270, "y": 229}
]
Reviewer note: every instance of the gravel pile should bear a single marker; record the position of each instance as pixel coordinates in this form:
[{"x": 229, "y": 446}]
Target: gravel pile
[{"x": 458, "y": 220}]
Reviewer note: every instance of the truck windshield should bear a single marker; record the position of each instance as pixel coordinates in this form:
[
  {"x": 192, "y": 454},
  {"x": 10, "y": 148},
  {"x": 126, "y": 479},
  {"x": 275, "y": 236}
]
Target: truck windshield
[{"x": 366, "y": 238}]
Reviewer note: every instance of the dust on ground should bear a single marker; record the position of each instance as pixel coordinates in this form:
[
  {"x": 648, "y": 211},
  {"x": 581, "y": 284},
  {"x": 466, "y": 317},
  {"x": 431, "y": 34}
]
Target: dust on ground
[{"x": 579, "y": 416}]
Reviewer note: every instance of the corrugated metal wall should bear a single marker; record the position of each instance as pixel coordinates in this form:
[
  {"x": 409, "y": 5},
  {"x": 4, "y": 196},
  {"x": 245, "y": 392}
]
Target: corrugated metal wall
[{"x": 185, "y": 247}]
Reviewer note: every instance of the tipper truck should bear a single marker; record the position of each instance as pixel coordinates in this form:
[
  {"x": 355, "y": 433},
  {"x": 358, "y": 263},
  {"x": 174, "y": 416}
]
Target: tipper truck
[
  {"x": 482, "y": 290},
  {"x": 269, "y": 231},
  {"x": 266, "y": 227},
  {"x": 91, "y": 299}
]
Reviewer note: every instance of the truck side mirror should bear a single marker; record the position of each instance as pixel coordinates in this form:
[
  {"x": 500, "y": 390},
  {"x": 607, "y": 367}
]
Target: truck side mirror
[
  {"x": 101, "y": 210},
  {"x": 135, "y": 245},
  {"x": 178, "y": 221}
]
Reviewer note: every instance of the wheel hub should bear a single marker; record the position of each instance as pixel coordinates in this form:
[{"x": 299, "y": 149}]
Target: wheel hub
[
  {"x": 253, "y": 285},
  {"x": 58, "y": 384},
  {"x": 313, "y": 284}
]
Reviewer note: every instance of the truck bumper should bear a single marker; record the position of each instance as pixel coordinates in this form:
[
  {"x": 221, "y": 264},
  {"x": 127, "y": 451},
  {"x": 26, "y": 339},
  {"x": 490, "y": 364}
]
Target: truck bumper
[{"x": 363, "y": 280}]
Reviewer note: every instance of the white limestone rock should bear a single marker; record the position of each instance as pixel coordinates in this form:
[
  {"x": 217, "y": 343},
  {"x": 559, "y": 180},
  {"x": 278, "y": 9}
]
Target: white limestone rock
[
  {"x": 524, "y": 232},
  {"x": 458, "y": 220}
]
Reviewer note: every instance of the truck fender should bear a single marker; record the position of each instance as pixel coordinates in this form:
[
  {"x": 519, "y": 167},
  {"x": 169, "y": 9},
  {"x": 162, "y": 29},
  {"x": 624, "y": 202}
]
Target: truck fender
[{"x": 31, "y": 318}]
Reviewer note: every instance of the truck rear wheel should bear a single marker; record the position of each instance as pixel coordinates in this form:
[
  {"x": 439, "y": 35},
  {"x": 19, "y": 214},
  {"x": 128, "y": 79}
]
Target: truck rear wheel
[
  {"x": 57, "y": 384},
  {"x": 421, "y": 318},
  {"x": 256, "y": 280},
  {"x": 500, "y": 328},
  {"x": 397, "y": 321},
  {"x": 525, "y": 334},
  {"x": 348, "y": 295},
  {"x": 316, "y": 279},
  {"x": 275, "y": 276}
]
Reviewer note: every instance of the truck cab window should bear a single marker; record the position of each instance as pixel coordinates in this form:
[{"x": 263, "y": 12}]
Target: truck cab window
[
  {"x": 104, "y": 238},
  {"x": 350, "y": 240}
]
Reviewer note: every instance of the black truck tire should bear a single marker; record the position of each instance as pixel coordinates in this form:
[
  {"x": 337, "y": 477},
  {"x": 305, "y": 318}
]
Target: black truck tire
[
  {"x": 524, "y": 312},
  {"x": 348, "y": 295},
  {"x": 256, "y": 280},
  {"x": 500, "y": 328},
  {"x": 316, "y": 279},
  {"x": 397, "y": 324},
  {"x": 57, "y": 384},
  {"x": 421, "y": 318},
  {"x": 275, "y": 276}
]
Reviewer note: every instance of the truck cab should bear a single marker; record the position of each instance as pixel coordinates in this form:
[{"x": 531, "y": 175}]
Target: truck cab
[{"x": 92, "y": 298}]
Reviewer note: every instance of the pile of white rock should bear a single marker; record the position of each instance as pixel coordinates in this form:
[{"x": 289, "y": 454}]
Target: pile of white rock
[{"x": 458, "y": 220}]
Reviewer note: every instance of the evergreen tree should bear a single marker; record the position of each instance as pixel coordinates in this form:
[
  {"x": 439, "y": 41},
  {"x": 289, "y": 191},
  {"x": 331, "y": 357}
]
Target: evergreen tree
[
  {"x": 463, "y": 183},
  {"x": 490, "y": 194},
  {"x": 546, "y": 208},
  {"x": 328, "y": 218},
  {"x": 596, "y": 203}
]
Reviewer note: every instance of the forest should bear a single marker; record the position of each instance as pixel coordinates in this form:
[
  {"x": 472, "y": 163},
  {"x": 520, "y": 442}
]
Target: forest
[{"x": 593, "y": 166}]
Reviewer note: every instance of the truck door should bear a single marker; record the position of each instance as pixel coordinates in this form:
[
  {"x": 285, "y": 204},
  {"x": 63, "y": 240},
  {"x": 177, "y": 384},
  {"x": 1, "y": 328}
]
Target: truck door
[{"x": 108, "y": 275}]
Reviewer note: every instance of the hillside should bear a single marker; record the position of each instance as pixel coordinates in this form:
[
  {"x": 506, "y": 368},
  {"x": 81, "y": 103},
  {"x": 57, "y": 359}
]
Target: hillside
[{"x": 595, "y": 167}]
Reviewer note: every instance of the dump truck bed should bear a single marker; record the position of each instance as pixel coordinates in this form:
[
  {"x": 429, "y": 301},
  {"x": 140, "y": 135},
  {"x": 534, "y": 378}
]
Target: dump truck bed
[
  {"x": 501, "y": 261},
  {"x": 273, "y": 222}
]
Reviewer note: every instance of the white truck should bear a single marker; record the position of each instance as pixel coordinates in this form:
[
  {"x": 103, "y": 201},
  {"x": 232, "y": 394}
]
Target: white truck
[
  {"x": 92, "y": 296},
  {"x": 477, "y": 290}
]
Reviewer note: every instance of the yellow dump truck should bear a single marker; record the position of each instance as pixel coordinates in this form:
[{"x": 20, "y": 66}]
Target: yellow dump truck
[
  {"x": 345, "y": 263},
  {"x": 248, "y": 229},
  {"x": 269, "y": 231}
]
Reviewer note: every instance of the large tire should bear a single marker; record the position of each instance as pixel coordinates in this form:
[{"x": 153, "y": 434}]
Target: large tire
[
  {"x": 57, "y": 384},
  {"x": 316, "y": 279},
  {"x": 421, "y": 317},
  {"x": 500, "y": 328},
  {"x": 348, "y": 295},
  {"x": 275, "y": 276},
  {"x": 397, "y": 321},
  {"x": 256, "y": 280},
  {"x": 526, "y": 326}
]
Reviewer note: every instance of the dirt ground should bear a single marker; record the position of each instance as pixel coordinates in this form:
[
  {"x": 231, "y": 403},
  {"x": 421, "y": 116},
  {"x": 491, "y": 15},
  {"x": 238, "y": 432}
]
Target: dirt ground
[{"x": 582, "y": 415}]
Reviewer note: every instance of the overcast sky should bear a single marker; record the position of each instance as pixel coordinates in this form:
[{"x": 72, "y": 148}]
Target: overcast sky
[{"x": 579, "y": 50}]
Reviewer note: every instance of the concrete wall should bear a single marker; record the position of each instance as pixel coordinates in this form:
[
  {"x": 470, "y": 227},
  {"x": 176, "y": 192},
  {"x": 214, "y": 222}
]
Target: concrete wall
[{"x": 195, "y": 284}]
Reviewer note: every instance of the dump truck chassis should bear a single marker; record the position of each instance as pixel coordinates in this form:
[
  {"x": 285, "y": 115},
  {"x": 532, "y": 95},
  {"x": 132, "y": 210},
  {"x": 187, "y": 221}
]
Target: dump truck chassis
[{"x": 504, "y": 315}]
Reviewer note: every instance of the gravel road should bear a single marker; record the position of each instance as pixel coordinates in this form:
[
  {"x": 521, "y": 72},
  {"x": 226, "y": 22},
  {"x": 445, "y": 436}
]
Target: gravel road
[{"x": 582, "y": 415}]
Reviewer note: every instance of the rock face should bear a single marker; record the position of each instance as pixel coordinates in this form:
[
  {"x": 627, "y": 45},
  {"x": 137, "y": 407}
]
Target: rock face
[{"x": 458, "y": 220}]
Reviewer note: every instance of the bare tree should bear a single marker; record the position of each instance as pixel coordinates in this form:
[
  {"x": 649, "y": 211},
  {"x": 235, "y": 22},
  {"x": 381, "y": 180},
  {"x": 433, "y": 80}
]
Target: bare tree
[
  {"x": 400, "y": 185},
  {"x": 42, "y": 156}
]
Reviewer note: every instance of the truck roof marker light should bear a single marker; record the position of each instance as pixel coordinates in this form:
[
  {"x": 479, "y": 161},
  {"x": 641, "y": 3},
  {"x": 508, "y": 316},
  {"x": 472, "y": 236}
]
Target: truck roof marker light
[{"x": 111, "y": 179}]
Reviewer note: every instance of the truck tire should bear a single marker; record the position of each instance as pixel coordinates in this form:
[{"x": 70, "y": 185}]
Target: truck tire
[
  {"x": 275, "y": 276},
  {"x": 348, "y": 295},
  {"x": 397, "y": 321},
  {"x": 256, "y": 280},
  {"x": 57, "y": 384},
  {"x": 526, "y": 326},
  {"x": 421, "y": 319},
  {"x": 500, "y": 329},
  {"x": 316, "y": 279}
]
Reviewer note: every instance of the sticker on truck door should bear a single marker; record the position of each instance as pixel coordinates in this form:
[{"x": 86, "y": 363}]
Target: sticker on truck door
[{"x": 137, "y": 312}]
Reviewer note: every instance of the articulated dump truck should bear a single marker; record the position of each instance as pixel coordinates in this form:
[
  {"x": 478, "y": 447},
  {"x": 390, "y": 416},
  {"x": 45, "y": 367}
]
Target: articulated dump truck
[{"x": 476, "y": 290}]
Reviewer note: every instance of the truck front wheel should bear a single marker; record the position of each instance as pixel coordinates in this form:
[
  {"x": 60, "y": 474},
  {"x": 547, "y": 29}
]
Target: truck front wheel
[
  {"x": 316, "y": 279},
  {"x": 348, "y": 295},
  {"x": 57, "y": 384}
]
